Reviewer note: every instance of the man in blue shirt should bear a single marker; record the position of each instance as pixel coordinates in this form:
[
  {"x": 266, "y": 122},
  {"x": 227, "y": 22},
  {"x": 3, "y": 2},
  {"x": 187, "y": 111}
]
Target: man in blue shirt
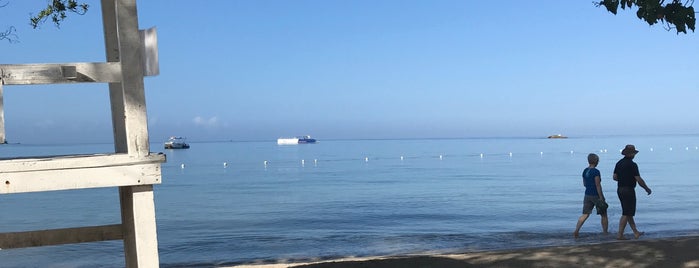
[
  {"x": 627, "y": 176},
  {"x": 593, "y": 195}
]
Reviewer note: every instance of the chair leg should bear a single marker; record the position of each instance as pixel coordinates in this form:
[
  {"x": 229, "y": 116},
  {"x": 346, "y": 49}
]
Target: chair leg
[{"x": 138, "y": 221}]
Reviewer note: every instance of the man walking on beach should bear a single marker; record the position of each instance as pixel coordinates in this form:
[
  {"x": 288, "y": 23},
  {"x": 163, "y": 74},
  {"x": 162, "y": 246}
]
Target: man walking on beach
[
  {"x": 594, "y": 197},
  {"x": 627, "y": 175}
]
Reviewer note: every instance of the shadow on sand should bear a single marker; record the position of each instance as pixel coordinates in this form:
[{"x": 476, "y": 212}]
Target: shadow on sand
[{"x": 677, "y": 252}]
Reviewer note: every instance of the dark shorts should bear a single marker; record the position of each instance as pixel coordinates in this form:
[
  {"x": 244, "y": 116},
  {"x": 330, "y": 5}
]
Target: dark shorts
[
  {"x": 627, "y": 197},
  {"x": 591, "y": 201}
]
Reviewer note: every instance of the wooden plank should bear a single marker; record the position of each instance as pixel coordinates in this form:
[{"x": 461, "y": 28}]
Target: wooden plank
[
  {"x": 2, "y": 115},
  {"x": 136, "y": 121},
  {"x": 140, "y": 233},
  {"x": 137, "y": 205},
  {"x": 84, "y": 178},
  {"x": 116, "y": 91},
  {"x": 61, "y": 236},
  {"x": 58, "y": 73},
  {"x": 23, "y": 175},
  {"x": 28, "y": 164},
  {"x": 149, "y": 52}
]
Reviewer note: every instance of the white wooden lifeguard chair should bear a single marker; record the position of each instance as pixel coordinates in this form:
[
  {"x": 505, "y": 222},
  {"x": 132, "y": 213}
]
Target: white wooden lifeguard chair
[{"x": 131, "y": 55}]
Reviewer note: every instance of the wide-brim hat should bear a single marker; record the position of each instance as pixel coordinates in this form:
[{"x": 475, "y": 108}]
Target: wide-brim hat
[{"x": 629, "y": 149}]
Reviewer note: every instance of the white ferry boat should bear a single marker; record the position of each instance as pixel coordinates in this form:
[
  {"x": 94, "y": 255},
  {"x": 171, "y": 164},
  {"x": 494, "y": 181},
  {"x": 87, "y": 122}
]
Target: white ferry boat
[{"x": 296, "y": 140}]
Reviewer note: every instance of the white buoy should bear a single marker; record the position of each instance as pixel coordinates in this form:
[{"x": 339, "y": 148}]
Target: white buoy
[
  {"x": 315, "y": 162},
  {"x": 366, "y": 159},
  {"x": 182, "y": 166},
  {"x": 265, "y": 162},
  {"x": 401, "y": 158},
  {"x": 651, "y": 149},
  {"x": 605, "y": 150},
  {"x": 225, "y": 164},
  {"x": 670, "y": 148},
  {"x": 541, "y": 153},
  {"x": 686, "y": 149},
  {"x": 481, "y": 155},
  {"x": 510, "y": 154},
  {"x": 571, "y": 151},
  {"x": 440, "y": 157}
]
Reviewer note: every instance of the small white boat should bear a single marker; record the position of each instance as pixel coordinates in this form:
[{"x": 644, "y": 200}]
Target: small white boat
[
  {"x": 296, "y": 140},
  {"x": 176, "y": 143}
]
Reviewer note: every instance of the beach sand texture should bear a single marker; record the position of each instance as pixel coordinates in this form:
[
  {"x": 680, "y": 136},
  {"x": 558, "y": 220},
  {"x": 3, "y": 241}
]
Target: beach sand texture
[{"x": 668, "y": 252}]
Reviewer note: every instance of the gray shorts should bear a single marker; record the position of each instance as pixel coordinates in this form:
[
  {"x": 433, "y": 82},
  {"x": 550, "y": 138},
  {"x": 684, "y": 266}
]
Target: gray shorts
[{"x": 591, "y": 201}]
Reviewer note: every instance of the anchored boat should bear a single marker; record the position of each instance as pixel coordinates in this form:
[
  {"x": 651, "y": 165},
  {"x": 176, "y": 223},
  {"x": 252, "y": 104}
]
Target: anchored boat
[
  {"x": 176, "y": 143},
  {"x": 296, "y": 140}
]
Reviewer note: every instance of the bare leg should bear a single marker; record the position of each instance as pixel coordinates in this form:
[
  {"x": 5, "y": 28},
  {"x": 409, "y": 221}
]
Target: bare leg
[
  {"x": 605, "y": 223},
  {"x": 632, "y": 224},
  {"x": 581, "y": 220},
  {"x": 622, "y": 226}
]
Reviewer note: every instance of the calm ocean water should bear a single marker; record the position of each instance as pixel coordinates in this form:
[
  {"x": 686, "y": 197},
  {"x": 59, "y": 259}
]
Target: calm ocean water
[{"x": 342, "y": 198}]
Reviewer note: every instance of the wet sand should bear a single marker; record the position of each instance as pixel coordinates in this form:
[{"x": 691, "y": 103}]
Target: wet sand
[{"x": 666, "y": 252}]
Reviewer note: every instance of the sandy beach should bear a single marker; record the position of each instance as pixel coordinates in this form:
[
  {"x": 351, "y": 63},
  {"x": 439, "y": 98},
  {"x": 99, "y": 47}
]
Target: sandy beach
[{"x": 666, "y": 252}]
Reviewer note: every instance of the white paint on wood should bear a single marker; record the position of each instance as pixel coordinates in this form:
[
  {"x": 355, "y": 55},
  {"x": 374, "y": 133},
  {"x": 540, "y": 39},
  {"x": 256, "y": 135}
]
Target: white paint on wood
[
  {"x": 2, "y": 114},
  {"x": 149, "y": 51},
  {"x": 138, "y": 219},
  {"x": 116, "y": 92},
  {"x": 78, "y": 172},
  {"x": 57, "y": 73},
  {"x": 83, "y": 178},
  {"x": 49, "y": 163},
  {"x": 136, "y": 122},
  {"x": 137, "y": 205}
]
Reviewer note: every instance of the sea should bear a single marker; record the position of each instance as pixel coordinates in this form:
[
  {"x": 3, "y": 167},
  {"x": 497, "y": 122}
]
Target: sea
[{"x": 229, "y": 203}]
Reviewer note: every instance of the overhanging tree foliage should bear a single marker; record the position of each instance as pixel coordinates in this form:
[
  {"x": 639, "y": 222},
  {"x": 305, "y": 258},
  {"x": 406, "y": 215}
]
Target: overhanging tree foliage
[
  {"x": 675, "y": 14},
  {"x": 56, "y": 10}
]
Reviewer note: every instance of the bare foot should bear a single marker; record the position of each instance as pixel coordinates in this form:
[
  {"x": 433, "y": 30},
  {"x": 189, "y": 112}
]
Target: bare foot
[
  {"x": 621, "y": 237},
  {"x": 576, "y": 235},
  {"x": 638, "y": 234}
]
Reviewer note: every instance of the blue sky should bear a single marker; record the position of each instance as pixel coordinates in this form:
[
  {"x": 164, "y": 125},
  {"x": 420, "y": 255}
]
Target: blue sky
[{"x": 258, "y": 70}]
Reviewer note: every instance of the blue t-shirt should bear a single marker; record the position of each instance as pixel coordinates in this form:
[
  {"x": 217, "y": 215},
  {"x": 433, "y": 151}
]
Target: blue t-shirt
[{"x": 589, "y": 175}]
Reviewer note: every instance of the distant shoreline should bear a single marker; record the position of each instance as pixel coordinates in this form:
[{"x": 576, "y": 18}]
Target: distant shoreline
[{"x": 273, "y": 140}]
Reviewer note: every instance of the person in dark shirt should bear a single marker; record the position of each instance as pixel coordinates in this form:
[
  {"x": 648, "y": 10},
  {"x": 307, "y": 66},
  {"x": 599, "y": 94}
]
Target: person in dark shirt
[
  {"x": 627, "y": 176},
  {"x": 594, "y": 197}
]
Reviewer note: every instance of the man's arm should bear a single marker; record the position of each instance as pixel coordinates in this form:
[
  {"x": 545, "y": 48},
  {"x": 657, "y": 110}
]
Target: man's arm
[
  {"x": 614, "y": 177},
  {"x": 642, "y": 183},
  {"x": 598, "y": 182}
]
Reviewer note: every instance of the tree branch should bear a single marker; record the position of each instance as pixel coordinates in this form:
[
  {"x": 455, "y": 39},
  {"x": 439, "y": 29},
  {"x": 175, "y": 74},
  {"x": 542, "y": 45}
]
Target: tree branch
[
  {"x": 57, "y": 12},
  {"x": 9, "y": 35}
]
